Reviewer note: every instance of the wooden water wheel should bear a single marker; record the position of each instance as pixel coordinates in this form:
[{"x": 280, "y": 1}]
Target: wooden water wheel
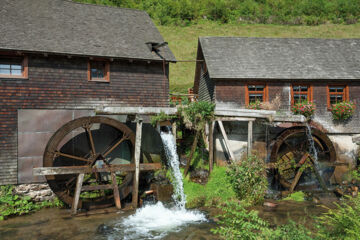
[
  {"x": 90, "y": 141},
  {"x": 294, "y": 160}
]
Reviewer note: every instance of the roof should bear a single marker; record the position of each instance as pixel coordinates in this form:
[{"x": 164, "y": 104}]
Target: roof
[
  {"x": 281, "y": 58},
  {"x": 66, "y": 27}
]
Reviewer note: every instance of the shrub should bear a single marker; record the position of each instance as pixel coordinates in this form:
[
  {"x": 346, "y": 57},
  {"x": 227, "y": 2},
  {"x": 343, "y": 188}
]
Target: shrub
[
  {"x": 305, "y": 108},
  {"x": 238, "y": 223},
  {"x": 161, "y": 117},
  {"x": 342, "y": 110},
  {"x": 196, "y": 114},
  {"x": 217, "y": 189},
  {"x": 342, "y": 222},
  {"x": 291, "y": 231},
  {"x": 248, "y": 179}
]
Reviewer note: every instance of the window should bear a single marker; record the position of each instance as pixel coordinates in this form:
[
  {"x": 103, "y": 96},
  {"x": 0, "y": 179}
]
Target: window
[
  {"x": 99, "y": 71},
  {"x": 255, "y": 93},
  {"x": 337, "y": 93},
  {"x": 13, "y": 67},
  {"x": 300, "y": 92}
]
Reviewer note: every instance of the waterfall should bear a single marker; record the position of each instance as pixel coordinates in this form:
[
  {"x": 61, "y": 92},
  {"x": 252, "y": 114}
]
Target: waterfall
[
  {"x": 157, "y": 221},
  {"x": 314, "y": 153},
  {"x": 173, "y": 159}
]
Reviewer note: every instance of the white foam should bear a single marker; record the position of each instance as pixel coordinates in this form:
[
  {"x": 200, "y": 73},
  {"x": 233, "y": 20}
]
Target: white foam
[{"x": 156, "y": 221}]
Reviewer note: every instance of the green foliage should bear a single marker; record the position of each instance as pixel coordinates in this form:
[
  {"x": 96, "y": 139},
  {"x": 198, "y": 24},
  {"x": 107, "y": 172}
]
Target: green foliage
[
  {"x": 184, "y": 12},
  {"x": 342, "y": 110},
  {"x": 11, "y": 204},
  {"x": 248, "y": 179},
  {"x": 296, "y": 196},
  {"x": 196, "y": 114},
  {"x": 288, "y": 231},
  {"x": 305, "y": 108},
  {"x": 342, "y": 222},
  {"x": 254, "y": 105},
  {"x": 217, "y": 189},
  {"x": 239, "y": 223},
  {"x": 236, "y": 222},
  {"x": 161, "y": 117}
]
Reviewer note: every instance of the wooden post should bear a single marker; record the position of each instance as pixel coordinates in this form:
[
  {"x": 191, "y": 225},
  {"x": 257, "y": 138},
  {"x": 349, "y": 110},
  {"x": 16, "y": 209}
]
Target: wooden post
[
  {"x": 227, "y": 143},
  {"x": 193, "y": 148},
  {"x": 135, "y": 191},
  {"x": 79, "y": 183},
  {"x": 250, "y": 137},
  {"x": 173, "y": 129},
  {"x": 211, "y": 145},
  {"x": 116, "y": 191}
]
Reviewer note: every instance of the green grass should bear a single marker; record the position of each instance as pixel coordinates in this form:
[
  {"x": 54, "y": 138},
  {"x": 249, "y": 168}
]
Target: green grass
[
  {"x": 217, "y": 188},
  {"x": 183, "y": 41}
]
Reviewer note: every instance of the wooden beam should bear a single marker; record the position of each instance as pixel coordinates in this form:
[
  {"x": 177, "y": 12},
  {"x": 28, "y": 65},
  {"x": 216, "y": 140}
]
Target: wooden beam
[
  {"x": 211, "y": 145},
  {"x": 227, "y": 143},
  {"x": 240, "y": 119},
  {"x": 250, "y": 138},
  {"x": 173, "y": 129},
  {"x": 41, "y": 171},
  {"x": 137, "y": 110},
  {"x": 135, "y": 191},
  {"x": 79, "y": 183}
]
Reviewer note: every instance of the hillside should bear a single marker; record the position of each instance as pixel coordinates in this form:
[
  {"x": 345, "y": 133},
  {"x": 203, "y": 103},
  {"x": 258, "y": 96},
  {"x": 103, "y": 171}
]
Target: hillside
[{"x": 183, "y": 41}]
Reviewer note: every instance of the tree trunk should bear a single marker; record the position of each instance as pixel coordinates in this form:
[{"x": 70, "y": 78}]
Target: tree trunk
[{"x": 193, "y": 148}]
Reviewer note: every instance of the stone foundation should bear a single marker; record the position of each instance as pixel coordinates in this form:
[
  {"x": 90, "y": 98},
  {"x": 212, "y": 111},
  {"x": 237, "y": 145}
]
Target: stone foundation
[{"x": 37, "y": 192}]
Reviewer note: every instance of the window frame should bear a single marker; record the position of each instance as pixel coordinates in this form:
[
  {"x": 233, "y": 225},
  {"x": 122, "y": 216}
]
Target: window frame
[
  {"x": 106, "y": 71},
  {"x": 264, "y": 92},
  {"x": 24, "y": 67},
  {"x": 345, "y": 93},
  {"x": 309, "y": 92}
]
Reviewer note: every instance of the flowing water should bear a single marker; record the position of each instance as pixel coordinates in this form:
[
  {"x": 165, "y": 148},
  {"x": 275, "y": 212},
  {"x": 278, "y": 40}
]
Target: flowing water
[{"x": 314, "y": 153}]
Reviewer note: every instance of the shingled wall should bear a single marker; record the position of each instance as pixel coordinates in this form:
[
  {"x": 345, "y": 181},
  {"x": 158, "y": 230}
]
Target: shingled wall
[{"x": 61, "y": 83}]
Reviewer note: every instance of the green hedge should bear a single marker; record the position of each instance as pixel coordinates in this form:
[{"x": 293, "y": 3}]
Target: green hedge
[{"x": 295, "y": 12}]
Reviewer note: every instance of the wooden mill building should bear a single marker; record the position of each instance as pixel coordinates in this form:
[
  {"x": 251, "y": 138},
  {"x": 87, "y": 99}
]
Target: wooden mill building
[
  {"x": 235, "y": 71},
  {"x": 61, "y": 60}
]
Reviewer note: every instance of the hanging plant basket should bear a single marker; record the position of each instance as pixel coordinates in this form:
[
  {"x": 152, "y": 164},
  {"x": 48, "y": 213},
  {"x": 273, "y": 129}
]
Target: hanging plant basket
[
  {"x": 254, "y": 105},
  {"x": 305, "y": 108},
  {"x": 342, "y": 111}
]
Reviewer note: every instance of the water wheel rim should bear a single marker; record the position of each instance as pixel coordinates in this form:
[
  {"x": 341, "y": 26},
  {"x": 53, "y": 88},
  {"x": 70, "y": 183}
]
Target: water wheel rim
[
  {"x": 62, "y": 132},
  {"x": 320, "y": 139}
]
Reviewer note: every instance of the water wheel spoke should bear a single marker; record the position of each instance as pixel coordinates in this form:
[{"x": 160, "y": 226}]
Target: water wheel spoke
[
  {"x": 107, "y": 152},
  {"x": 58, "y": 153},
  {"x": 290, "y": 147},
  {"x": 296, "y": 179},
  {"x": 90, "y": 138}
]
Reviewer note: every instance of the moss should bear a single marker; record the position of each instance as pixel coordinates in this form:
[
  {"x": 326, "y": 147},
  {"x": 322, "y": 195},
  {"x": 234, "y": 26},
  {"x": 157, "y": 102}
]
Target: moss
[{"x": 296, "y": 196}]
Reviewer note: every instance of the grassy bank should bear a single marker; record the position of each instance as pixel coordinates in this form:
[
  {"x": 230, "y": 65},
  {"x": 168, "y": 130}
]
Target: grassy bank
[{"x": 183, "y": 41}]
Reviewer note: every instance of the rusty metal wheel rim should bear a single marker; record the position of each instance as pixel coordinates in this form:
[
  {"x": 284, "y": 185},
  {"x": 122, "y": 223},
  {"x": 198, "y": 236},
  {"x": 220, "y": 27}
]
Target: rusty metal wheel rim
[
  {"x": 327, "y": 153},
  {"x": 51, "y": 153}
]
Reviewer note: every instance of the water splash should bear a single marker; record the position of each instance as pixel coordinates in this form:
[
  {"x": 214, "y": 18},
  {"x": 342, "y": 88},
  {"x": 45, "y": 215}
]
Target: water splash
[
  {"x": 173, "y": 159},
  {"x": 156, "y": 221}
]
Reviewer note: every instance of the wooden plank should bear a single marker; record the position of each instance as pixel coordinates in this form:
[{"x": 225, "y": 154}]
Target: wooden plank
[
  {"x": 250, "y": 137},
  {"x": 41, "y": 171},
  {"x": 211, "y": 145},
  {"x": 115, "y": 191},
  {"x": 135, "y": 192},
  {"x": 222, "y": 129},
  {"x": 79, "y": 182},
  {"x": 136, "y": 110},
  {"x": 96, "y": 187},
  {"x": 240, "y": 119}
]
